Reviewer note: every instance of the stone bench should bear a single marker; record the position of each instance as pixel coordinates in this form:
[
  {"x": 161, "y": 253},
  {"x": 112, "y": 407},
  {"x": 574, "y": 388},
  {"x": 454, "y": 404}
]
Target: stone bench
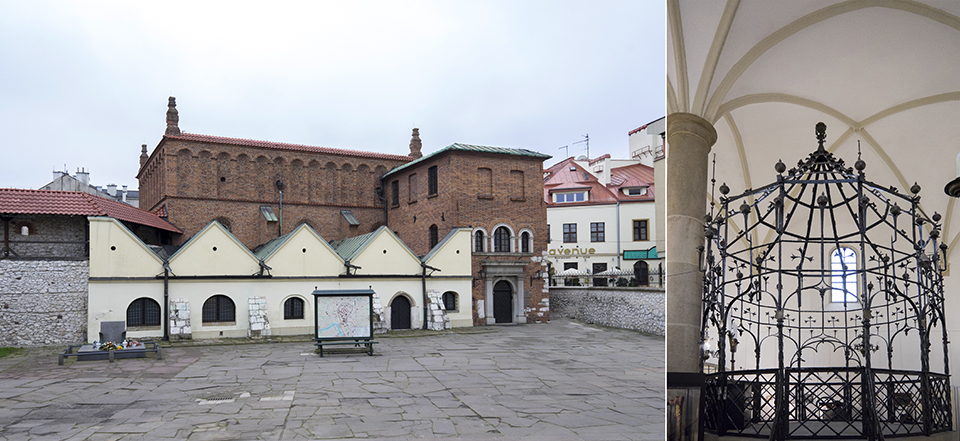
[{"x": 361, "y": 342}]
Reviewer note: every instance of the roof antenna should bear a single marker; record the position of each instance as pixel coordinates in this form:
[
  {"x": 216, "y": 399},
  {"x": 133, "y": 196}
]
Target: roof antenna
[
  {"x": 586, "y": 139},
  {"x": 568, "y": 150}
]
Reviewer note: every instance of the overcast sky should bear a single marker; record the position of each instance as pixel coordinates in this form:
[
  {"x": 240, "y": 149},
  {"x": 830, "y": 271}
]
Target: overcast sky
[{"x": 84, "y": 84}]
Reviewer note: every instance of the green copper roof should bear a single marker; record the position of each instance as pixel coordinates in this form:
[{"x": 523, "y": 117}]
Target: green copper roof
[
  {"x": 348, "y": 248},
  {"x": 475, "y": 149}
]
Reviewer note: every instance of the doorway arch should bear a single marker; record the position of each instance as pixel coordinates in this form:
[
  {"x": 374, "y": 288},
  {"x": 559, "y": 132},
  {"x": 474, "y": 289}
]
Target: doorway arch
[
  {"x": 400, "y": 313},
  {"x": 642, "y": 272},
  {"x": 503, "y": 302}
]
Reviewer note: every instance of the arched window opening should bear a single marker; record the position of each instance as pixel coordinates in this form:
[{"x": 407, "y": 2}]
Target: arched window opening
[
  {"x": 843, "y": 265},
  {"x": 293, "y": 308},
  {"x": 478, "y": 241},
  {"x": 434, "y": 236},
  {"x": 450, "y": 301},
  {"x": 219, "y": 308},
  {"x": 501, "y": 240},
  {"x": 525, "y": 242},
  {"x": 143, "y": 312},
  {"x": 24, "y": 230}
]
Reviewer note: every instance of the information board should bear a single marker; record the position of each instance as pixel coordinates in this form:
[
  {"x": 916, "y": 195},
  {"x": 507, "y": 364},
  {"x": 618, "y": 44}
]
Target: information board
[{"x": 343, "y": 314}]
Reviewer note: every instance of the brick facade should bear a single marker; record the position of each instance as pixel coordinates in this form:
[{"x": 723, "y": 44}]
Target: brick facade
[
  {"x": 482, "y": 191},
  {"x": 200, "y": 179}
]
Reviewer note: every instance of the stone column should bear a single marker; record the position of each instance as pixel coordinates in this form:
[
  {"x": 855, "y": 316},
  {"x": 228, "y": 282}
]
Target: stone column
[{"x": 689, "y": 139}]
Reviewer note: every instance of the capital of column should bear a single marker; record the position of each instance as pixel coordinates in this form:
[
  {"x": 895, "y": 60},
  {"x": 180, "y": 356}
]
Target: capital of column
[{"x": 688, "y": 124}]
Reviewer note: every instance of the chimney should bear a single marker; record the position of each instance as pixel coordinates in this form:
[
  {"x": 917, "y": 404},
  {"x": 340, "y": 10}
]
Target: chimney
[
  {"x": 112, "y": 189},
  {"x": 415, "y": 144},
  {"x": 143, "y": 155},
  {"x": 173, "y": 118},
  {"x": 124, "y": 193},
  {"x": 57, "y": 175},
  {"x": 83, "y": 176}
]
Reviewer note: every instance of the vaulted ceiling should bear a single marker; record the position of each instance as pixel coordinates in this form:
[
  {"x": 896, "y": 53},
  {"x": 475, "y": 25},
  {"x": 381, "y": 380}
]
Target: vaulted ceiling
[{"x": 884, "y": 75}]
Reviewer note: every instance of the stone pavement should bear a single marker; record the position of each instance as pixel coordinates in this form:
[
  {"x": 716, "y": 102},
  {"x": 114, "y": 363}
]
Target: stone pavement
[{"x": 558, "y": 381}]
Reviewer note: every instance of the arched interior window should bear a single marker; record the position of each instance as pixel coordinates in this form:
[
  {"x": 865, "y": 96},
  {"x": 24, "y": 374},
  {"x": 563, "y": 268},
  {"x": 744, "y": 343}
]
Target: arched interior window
[
  {"x": 434, "y": 235},
  {"x": 525, "y": 242},
  {"x": 143, "y": 312},
  {"x": 501, "y": 240},
  {"x": 219, "y": 308},
  {"x": 478, "y": 241},
  {"x": 843, "y": 266},
  {"x": 293, "y": 308},
  {"x": 450, "y": 301}
]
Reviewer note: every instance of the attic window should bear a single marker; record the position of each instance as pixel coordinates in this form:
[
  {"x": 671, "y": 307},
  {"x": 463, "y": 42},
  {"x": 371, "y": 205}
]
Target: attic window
[
  {"x": 571, "y": 197},
  {"x": 636, "y": 191},
  {"x": 351, "y": 219},
  {"x": 573, "y": 169},
  {"x": 268, "y": 213},
  {"x": 586, "y": 177}
]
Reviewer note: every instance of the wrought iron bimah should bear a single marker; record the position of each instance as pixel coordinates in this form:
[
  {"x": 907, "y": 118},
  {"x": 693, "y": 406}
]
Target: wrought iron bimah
[{"x": 823, "y": 311}]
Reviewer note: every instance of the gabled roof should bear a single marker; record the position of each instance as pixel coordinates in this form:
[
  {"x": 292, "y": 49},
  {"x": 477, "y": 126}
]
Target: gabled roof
[
  {"x": 348, "y": 248},
  {"x": 475, "y": 149},
  {"x": 76, "y": 203},
  {"x": 439, "y": 245},
  {"x": 567, "y": 175},
  {"x": 265, "y": 250},
  {"x": 283, "y": 146}
]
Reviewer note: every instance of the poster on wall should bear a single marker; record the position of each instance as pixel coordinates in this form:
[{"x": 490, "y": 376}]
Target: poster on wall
[{"x": 343, "y": 314}]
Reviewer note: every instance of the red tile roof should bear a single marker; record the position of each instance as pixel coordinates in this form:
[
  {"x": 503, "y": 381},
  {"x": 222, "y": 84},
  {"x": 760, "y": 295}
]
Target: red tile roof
[
  {"x": 284, "y": 146},
  {"x": 75, "y": 203},
  {"x": 561, "y": 178}
]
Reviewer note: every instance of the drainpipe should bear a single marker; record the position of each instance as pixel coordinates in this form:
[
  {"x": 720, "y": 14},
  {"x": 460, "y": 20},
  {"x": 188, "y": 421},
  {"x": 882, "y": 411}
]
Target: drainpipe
[
  {"x": 618, "y": 232},
  {"x": 166, "y": 301},
  {"x": 280, "y": 214}
]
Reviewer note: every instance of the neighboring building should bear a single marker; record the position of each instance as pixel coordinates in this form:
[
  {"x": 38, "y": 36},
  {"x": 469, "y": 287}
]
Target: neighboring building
[
  {"x": 63, "y": 181},
  {"x": 495, "y": 192},
  {"x": 261, "y": 190},
  {"x": 44, "y": 261},
  {"x": 602, "y": 215}
]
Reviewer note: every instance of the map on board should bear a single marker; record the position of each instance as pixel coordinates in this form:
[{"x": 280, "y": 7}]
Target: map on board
[{"x": 343, "y": 316}]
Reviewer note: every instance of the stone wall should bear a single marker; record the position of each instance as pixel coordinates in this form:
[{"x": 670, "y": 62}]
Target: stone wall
[
  {"x": 43, "y": 303},
  {"x": 641, "y": 309}
]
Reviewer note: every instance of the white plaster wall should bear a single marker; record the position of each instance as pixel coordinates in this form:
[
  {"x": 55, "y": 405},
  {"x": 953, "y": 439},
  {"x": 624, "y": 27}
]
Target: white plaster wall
[
  {"x": 605, "y": 251},
  {"x": 108, "y": 301}
]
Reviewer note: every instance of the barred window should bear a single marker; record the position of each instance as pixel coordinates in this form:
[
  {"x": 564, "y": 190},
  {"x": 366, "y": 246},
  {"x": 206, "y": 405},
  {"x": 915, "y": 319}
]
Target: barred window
[
  {"x": 843, "y": 263},
  {"x": 434, "y": 236},
  {"x": 293, "y": 308},
  {"x": 450, "y": 301},
  {"x": 501, "y": 240},
  {"x": 143, "y": 312},
  {"x": 219, "y": 308},
  {"x": 432, "y": 181}
]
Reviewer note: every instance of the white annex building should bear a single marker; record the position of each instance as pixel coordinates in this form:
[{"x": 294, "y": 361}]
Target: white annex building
[{"x": 602, "y": 213}]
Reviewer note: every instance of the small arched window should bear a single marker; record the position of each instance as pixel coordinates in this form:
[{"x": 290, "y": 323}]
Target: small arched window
[
  {"x": 24, "y": 230},
  {"x": 478, "y": 241},
  {"x": 449, "y": 301},
  {"x": 143, "y": 312},
  {"x": 293, "y": 308},
  {"x": 434, "y": 235},
  {"x": 525, "y": 242},
  {"x": 843, "y": 266},
  {"x": 501, "y": 240},
  {"x": 219, "y": 308}
]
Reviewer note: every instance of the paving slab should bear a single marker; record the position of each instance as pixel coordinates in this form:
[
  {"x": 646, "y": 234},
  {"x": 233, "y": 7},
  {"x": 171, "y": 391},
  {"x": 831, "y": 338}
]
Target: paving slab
[{"x": 556, "y": 381}]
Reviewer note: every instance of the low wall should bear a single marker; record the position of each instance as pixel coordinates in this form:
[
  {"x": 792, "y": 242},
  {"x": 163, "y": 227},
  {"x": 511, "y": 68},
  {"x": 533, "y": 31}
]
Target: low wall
[
  {"x": 43, "y": 302},
  {"x": 640, "y": 309}
]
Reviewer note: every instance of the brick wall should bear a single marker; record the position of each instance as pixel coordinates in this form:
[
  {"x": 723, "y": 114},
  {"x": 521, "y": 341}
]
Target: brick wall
[
  {"x": 201, "y": 181},
  {"x": 468, "y": 197}
]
